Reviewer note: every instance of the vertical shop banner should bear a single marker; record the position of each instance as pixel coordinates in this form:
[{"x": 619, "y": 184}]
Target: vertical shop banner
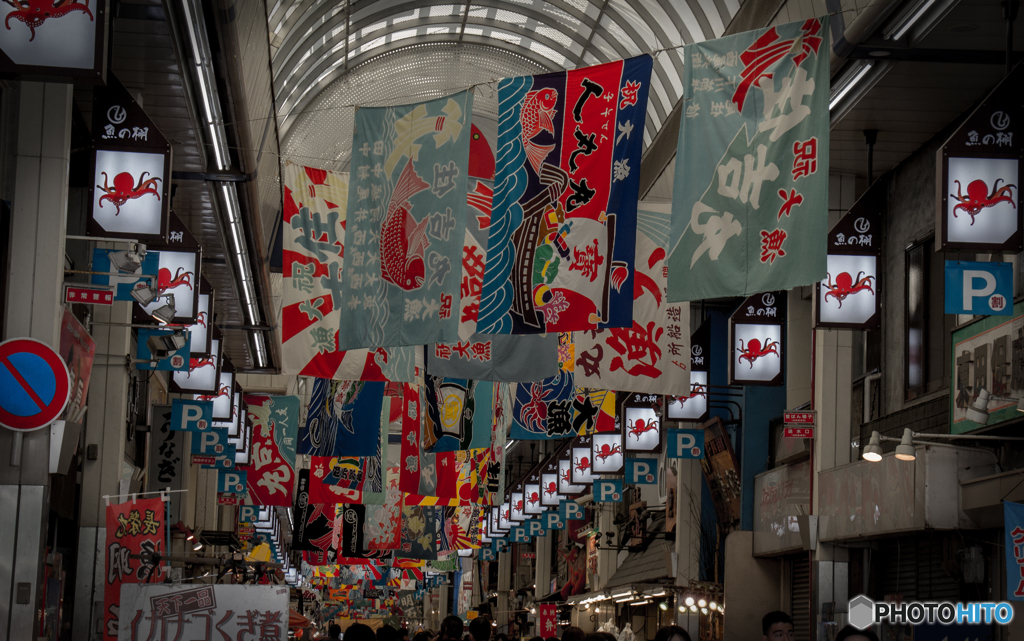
[
  {"x": 547, "y": 620},
  {"x": 653, "y": 355},
  {"x": 343, "y": 418},
  {"x": 134, "y": 527},
  {"x": 175, "y": 611},
  {"x": 407, "y": 201},
  {"x": 543, "y": 409},
  {"x": 424, "y": 474},
  {"x": 313, "y": 242},
  {"x": 78, "y": 350},
  {"x": 384, "y": 522},
  {"x": 563, "y": 224},
  {"x": 167, "y": 458},
  {"x": 314, "y": 522},
  {"x": 752, "y": 164},
  {"x": 1013, "y": 518},
  {"x": 275, "y": 426}
]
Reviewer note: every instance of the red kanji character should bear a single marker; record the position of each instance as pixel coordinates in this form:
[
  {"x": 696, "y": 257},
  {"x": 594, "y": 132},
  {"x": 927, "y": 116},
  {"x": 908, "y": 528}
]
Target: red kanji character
[
  {"x": 789, "y": 202},
  {"x": 587, "y": 261},
  {"x": 771, "y": 245},
  {"x": 805, "y": 158},
  {"x": 442, "y": 351},
  {"x": 482, "y": 351},
  {"x": 270, "y": 626},
  {"x": 767, "y": 50},
  {"x": 446, "y": 307},
  {"x": 629, "y": 92},
  {"x": 639, "y": 346},
  {"x": 462, "y": 349}
]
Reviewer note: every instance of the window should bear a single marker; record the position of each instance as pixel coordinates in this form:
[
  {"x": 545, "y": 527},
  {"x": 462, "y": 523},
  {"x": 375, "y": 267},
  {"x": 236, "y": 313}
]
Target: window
[{"x": 926, "y": 345}]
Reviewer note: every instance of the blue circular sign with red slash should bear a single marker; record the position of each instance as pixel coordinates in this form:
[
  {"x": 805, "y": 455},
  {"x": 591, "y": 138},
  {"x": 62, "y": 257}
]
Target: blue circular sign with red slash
[{"x": 35, "y": 383}]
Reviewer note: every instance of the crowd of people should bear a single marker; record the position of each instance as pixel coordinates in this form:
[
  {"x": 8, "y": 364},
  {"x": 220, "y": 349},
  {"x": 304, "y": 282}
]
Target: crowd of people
[{"x": 775, "y": 626}]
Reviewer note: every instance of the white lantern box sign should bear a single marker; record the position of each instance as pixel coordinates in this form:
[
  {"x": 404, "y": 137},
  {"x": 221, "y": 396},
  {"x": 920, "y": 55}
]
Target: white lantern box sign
[
  {"x": 549, "y": 494},
  {"x": 532, "y": 492},
  {"x": 582, "y": 461},
  {"x": 980, "y": 173},
  {"x": 849, "y": 296},
  {"x": 694, "y": 406},
  {"x": 62, "y": 39},
  {"x": 606, "y": 453},
  {"x": 643, "y": 423},
  {"x": 203, "y": 375},
  {"x": 756, "y": 339},
  {"x": 131, "y": 170}
]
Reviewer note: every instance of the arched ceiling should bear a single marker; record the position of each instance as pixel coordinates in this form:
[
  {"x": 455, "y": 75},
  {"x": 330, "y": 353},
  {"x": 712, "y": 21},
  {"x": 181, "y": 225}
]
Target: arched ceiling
[{"x": 330, "y": 54}]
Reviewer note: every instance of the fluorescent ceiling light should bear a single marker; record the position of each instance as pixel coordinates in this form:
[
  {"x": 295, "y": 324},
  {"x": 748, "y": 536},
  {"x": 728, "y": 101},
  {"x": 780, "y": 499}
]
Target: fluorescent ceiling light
[
  {"x": 909, "y": 19},
  {"x": 853, "y": 77}
]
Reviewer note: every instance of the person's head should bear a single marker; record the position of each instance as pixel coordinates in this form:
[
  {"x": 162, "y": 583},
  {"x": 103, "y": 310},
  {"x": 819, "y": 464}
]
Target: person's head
[
  {"x": 387, "y": 633},
  {"x": 403, "y": 634},
  {"x": 480, "y": 629},
  {"x": 451, "y": 628},
  {"x": 334, "y": 631},
  {"x": 421, "y": 636},
  {"x": 608, "y": 636},
  {"x": 501, "y": 637},
  {"x": 672, "y": 633},
  {"x": 551, "y": 639},
  {"x": 573, "y": 634},
  {"x": 850, "y": 633},
  {"x": 536, "y": 638},
  {"x": 359, "y": 632},
  {"x": 594, "y": 636},
  {"x": 777, "y": 626}
]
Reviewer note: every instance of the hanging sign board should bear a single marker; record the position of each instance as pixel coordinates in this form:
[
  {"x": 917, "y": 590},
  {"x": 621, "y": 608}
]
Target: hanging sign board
[
  {"x": 979, "y": 175},
  {"x": 756, "y": 336},
  {"x": 799, "y": 424},
  {"x": 643, "y": 424},
  {"x": 582, "y": 460},
  {"x": 89, "y": 295},
  {"x": 848, "y": 297},
  {"x": 694, "y": 406},
  {"x": 63, "y": 39},
  {"x": 549, "y": 494},
  {"x": 981, "y": 289},
  {"x": 178, "y": 274},
  {"x": 203, "y": 372},
  {"x": 131, "y": 169}
]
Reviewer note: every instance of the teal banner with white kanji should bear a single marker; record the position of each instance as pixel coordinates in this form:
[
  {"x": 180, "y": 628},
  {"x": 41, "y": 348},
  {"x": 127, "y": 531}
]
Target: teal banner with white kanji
[
  {"x": 406, "y": 222},
  {"x": 750, "y": 201}
]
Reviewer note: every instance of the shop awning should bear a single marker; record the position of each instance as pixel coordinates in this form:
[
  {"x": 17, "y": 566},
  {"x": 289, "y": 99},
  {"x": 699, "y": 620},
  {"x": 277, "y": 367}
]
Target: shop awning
[
  {"x": 656, "y": 562},
  {"x": 296, "y": 620}
]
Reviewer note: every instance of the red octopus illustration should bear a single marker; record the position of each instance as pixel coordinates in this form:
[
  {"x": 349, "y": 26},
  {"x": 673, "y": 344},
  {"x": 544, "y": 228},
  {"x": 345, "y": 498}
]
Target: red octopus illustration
[
  {"x": 201, "y": 317},
  {"x": 641, "y": 427},
  {"x": 754, "y": 351},
  {"x": 223, "y": 391},
  {"x": 196, "y": 363},
  {"x": 165, "y": 282},
  {"x": 518, "y": 507},
  {"x": 35, "y": 12},
  {"x": 551, "y": 489},
  {"x": 583, "y": 464},
  {"x": 536, "y": 410},
  {"x": 978, "y": 198},
  {"x": 695, "y": 390},
  {"x": 567, "y": 477},
  {"x": 534, "y": 498},
  {"x": 844, "y": 286},
  {"x": 606, "y": 451},
  {"x": 123, "y": 190}
]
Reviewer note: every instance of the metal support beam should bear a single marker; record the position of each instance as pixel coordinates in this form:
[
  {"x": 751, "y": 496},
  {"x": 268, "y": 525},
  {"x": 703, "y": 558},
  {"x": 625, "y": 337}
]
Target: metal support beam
[{"x": 968, "y": 56}]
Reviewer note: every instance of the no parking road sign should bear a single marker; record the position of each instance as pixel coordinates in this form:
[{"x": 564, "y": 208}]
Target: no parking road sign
[{"x": 35, "y": 384}]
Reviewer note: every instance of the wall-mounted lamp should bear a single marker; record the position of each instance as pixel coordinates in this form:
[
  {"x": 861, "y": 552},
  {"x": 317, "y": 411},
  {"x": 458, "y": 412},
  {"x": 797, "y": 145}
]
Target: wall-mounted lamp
[{"x": 128, "y": 260}]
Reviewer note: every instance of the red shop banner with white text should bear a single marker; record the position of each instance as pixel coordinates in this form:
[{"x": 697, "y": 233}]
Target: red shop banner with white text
[
  {"x": 133, "y": 528},
  {"x": 270, "y": 475}
]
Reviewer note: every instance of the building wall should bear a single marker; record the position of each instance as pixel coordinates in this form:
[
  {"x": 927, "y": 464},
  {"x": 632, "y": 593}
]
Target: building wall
[{"x": 751, "y": 587}]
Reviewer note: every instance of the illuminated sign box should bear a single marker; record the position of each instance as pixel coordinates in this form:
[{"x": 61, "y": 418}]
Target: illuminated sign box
[
  {"x": 582, "y": 463},
  {"x": 63, "y": 39},
  {"x": 979, "y": 176},
  {"x": 756, "y": 336},
  {"x": 643, "y": 423},
  {"x": 694, "y": 406},
  {"x": 606, "y": 453},
  {"x": 849, "y": 295}
]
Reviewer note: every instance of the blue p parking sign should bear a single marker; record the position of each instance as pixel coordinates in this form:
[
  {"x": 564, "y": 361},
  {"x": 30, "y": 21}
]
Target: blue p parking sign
[{"x": 983, "y": 289}]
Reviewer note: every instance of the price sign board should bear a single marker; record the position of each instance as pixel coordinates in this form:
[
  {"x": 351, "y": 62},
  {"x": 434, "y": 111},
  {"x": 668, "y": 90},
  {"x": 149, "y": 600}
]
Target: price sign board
[{"x": 799, "y": 424}]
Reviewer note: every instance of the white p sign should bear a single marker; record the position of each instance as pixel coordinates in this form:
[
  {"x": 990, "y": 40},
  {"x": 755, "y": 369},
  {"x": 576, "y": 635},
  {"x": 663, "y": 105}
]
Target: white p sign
[
  {"x": 685, "y": 444},
  {"x": 971, "y": 292},
  {"x": 535, "y": 528}
]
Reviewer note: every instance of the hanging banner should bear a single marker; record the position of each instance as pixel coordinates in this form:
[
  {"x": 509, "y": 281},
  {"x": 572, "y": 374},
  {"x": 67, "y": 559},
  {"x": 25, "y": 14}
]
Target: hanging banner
[
  {"x": 167, "y": 458},
  {"x": 1013, "y": 518},
  {"x": 78, "y": 350},
  {"x": 419, "y": 532},
  {"x": 562, "y": 235},
  {"x": 271, "y": 474},
  {"x": 547, "y": 620},
  {"x": 133, "y": 527},
  {"x": 423, "y": 473},
  {"x": 487, "y": 357},
  {"x": 593, "y": 411},
  {"x": 752, "y": 164},
  {"x": 314, "y": 522},
  {"x": 313, "y": 240},
  {"x": 384, "y": 522},
  {"x": 236, "y": 611},
  {"x": 543, "y": 409},
  {"x": 343, "y": 418},
  {"x": 492, "y": 466},
  {"x": 408, "y": 204},
  {"x": 652, "y": 355}
]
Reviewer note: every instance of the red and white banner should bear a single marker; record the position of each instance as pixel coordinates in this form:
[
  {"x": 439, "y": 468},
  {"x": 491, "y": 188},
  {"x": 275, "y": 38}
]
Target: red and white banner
[{"x": 134, "y": 527}]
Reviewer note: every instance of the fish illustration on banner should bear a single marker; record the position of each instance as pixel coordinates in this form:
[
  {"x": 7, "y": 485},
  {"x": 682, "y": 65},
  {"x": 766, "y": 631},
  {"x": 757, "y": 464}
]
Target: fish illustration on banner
[
  {"x": 408, "y": 219},
  {"x": 451, "y": 406},
  {"x": 561, "y": 242},
  {"x": 342, "y": 418},
  {"x": 313, "y": 528},
  {"x": 313, "y": 245},
  {"x": 270, "y": 474},
  {"x": 652, "y": 356},
  {"x": 751, "y": 177},
  {"x": 488, "y": 357},
  {"x": 419, "y": 532},
  {"x": 384, "y": 522},
  {"x": 543, "y": 409}
]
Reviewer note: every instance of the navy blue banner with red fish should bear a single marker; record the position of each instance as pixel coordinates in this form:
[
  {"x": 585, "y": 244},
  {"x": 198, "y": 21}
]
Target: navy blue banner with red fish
[{"x": 563, "y": 226}]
